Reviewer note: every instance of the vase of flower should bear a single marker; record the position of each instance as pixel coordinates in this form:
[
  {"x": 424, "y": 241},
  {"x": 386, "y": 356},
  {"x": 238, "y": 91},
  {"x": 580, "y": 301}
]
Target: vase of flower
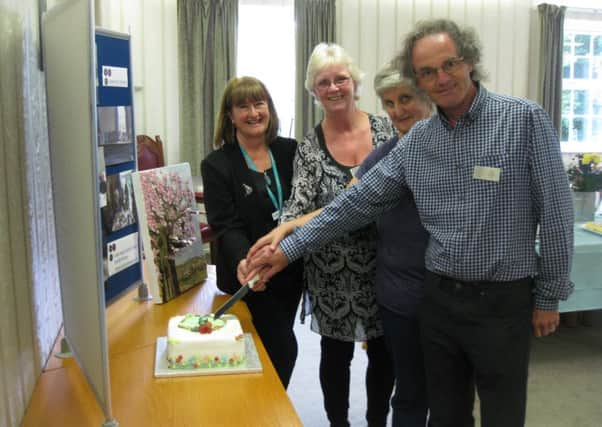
[
  {"x": 585, "y": 176},
  {"x": 584, "y": 205}
]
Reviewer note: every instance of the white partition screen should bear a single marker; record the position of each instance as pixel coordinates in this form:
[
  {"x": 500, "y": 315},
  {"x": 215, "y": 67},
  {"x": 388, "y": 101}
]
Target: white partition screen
[{"x": 68, "y": 37}]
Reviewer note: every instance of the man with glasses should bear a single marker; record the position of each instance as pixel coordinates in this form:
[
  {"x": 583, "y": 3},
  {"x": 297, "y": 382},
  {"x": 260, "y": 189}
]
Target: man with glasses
[{"x": 486, "y": 174}]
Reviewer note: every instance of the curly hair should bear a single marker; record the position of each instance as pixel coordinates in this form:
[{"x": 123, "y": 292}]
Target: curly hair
[{"x": 466, "y": 40}]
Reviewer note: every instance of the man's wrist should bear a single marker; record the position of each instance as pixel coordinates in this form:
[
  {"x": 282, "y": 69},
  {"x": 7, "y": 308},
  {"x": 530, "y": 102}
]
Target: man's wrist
[
  {"x": 290, "y": 249},
  {"x": 543, "y": 303}
]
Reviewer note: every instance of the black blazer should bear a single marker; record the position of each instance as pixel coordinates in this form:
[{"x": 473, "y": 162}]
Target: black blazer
[{"x": 239, "y": 210}]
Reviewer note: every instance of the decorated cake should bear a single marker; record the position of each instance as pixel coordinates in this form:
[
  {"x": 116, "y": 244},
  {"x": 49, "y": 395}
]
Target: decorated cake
[{"x": 203, "y": 342}]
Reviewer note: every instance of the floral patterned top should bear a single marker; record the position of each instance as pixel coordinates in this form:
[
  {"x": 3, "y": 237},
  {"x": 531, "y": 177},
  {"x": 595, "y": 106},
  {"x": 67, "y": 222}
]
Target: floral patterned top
[{"x": 338, "y": 278}]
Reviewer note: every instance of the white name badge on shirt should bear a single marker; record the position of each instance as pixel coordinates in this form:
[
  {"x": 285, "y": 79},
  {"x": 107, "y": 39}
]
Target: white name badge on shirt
[
  {"x": 486, "y": 173},
  {"x": 276, "y": 215}
]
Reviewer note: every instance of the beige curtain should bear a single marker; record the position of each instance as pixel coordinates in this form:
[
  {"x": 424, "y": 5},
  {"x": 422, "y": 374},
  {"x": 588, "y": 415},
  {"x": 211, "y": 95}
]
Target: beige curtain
[
  {"x": 550, "y": 61},
  {"x": 315, "y": 20},
  {"x": 30, "y": 309},
  {"x": 17, "y": 373},
  {"x": 207, "y": 31}
]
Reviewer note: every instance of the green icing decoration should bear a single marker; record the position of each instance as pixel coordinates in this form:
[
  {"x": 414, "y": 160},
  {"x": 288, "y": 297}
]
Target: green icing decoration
[{"x": 192, "y": 322}]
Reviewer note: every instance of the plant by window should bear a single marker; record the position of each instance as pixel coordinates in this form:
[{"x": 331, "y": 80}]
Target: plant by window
[{"x": 585, "y": 172}]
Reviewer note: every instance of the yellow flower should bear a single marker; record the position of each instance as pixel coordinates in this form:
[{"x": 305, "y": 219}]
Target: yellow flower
[{"x": 590, "y": 158}]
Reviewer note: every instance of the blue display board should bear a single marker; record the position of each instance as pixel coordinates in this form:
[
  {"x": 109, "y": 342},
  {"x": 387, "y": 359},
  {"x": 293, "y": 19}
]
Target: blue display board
[{"x": 117, "y": 153}]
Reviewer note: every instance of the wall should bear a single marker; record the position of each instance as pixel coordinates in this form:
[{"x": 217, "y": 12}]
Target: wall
[
  {"x": 152, "y": 26},
  {"x": 371, "y": 30},
  {"x": 30, "y": 306}
]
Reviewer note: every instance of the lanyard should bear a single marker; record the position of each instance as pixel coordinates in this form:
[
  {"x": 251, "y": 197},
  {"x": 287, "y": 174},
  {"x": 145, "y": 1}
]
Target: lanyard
[{"x": 277, "y": 203}]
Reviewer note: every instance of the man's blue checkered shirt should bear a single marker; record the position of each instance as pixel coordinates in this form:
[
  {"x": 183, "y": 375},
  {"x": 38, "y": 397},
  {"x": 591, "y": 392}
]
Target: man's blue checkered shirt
[{"x": 481, "y": 230}]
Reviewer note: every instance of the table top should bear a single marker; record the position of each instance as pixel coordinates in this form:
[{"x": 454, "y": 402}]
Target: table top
[
  {"x": 586, "y": 272},
  {"x": 586, "y": 240},
  {"x": 63, "y": 398}
]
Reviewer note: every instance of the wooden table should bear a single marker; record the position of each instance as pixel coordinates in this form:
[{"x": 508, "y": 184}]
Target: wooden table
[{"x": 63, "y": 398}]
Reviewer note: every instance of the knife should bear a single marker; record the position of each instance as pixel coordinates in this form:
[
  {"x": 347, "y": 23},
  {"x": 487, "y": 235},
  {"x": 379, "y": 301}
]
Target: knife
[{"x": 236, "y": 297}]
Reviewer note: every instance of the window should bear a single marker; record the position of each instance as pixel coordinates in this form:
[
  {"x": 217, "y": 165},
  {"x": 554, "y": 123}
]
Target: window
[
  {"x": 266, "y": 50},
  {"x": 581, "y": 125}
]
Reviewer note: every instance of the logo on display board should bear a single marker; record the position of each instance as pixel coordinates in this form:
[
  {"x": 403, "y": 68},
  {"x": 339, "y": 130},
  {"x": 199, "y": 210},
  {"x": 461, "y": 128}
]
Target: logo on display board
[{"x": 114, "y": 76}]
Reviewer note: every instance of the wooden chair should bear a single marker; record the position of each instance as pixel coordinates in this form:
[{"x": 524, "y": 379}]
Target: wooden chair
[{"x": 150, "y": 152}]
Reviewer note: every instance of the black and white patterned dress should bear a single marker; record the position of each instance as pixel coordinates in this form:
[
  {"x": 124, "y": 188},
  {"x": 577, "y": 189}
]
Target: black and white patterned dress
[{"x": 338, "y": 278}]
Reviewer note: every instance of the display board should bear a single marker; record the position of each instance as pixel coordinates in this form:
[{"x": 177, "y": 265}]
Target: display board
[
  {"x": 116, "y": 161},
  {"x": 68, "y": 43}
]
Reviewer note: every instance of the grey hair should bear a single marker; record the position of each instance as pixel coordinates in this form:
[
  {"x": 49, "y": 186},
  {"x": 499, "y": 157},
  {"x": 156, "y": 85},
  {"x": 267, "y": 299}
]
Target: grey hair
[
  {"x": 466, "y": 40},
  {"x": 327, "y": 54},
  {"x": 389, "y": 77}
]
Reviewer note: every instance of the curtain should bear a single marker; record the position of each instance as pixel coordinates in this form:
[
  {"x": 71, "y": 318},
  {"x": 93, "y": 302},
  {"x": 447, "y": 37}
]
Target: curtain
[
  {"x": 30, "y": 304},
  {"x": 207, "y": 31},
  {"x": 315, "y": 21},
  {"x": 550, "y": 60}
]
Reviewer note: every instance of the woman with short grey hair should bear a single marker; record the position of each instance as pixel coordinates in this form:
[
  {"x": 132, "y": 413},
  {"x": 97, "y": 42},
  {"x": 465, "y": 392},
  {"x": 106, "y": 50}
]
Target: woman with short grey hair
[
  {"x": 339, "y": 277},
  {"x": 401, "y": 245}
]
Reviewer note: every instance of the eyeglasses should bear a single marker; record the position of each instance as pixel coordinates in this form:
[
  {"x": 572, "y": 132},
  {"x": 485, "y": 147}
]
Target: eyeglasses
[
  {"x": 339, "y": 81},
  {"x": 449, "y": 66}
]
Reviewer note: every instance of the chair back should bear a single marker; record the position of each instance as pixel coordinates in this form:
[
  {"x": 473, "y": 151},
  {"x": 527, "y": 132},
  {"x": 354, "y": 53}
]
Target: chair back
[{"x": 150, "y": 152}]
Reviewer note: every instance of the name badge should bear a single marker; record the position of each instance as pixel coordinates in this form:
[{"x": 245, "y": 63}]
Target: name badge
[
  {"x": 486, "y": 173},
  {"x": 276, "y": 215}
]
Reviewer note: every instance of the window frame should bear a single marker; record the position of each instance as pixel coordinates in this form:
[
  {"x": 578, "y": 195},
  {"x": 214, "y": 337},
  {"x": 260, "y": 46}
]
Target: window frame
[{"x": 579, "y": 22}]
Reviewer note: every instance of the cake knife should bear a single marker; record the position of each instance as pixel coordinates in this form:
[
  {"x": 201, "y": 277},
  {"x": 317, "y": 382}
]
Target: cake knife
[{"x": 236, "y": 297}]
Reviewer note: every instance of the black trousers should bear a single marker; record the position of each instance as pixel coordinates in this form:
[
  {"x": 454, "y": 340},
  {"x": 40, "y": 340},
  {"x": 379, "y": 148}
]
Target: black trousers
[
  {"x": 476, "y": 334},
  {"x": 335, "y": 361},
  {"x": 273, "y": 318},
  {"x": 402, "y": 335}
]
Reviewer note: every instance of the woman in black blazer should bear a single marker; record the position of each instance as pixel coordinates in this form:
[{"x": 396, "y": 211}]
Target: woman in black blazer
[{"x": 245, "y": 180}]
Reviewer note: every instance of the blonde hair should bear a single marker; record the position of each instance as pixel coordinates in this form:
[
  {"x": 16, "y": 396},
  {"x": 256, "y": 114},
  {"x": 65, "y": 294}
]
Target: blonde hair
[{"x": 328, "y": 54}]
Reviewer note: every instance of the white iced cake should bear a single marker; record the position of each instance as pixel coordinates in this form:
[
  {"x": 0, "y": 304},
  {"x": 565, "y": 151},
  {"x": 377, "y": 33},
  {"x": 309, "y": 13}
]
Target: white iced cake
[{"x": 202, "y": 342}]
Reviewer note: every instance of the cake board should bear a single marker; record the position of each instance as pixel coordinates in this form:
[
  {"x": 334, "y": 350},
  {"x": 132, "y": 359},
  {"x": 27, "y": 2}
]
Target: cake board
[
  {"x": 161, "y": 370},
  {"x": 589, "y": 226}
]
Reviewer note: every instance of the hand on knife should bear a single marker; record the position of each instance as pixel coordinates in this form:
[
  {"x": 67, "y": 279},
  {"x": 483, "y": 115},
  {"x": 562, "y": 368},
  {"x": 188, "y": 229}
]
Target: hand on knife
[
  {"x": 246, "y": 275},
  {"x": 236, "y": 297}
]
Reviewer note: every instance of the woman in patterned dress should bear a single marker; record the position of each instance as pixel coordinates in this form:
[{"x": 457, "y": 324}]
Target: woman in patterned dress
[
  {"x": 339, "y": 278},
  {"x": 401, "y": 245}
]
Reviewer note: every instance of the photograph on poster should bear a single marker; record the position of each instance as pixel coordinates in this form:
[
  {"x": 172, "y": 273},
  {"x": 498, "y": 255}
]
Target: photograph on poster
[
  {"x": 170, "y": 231},
  {"x": 102, "y": 178},
  {"x": 120, "y": 210},
  {"x": 115, "y": 125}
]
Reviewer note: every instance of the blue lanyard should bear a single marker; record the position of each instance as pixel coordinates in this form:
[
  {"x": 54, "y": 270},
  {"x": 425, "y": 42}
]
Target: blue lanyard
[{"x": 277, "y": 203}]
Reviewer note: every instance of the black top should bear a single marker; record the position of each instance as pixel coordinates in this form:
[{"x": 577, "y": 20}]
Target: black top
[{"x": 239, "y": 210}]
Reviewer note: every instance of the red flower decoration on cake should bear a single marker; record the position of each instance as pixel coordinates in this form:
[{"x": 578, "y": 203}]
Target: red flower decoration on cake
[{"x": 205, "y": 328}]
